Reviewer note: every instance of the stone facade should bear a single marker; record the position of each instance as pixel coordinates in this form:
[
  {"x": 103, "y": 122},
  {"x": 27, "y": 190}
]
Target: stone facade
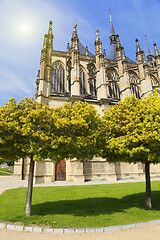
[{"x": 79, "y": 75}]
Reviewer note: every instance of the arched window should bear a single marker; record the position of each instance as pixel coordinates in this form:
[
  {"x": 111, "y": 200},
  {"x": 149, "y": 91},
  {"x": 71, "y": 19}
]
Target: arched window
[
  {"x": 114, "y": 91},
  {"x": 82, "y": 82},
  {"x": 58, "y": 78},
  {"x": 154, "y": 81},
  {"x": 134, "y": 81},
  {"x": 113, "y": 88},
  {"x": 92, "y": 79}
]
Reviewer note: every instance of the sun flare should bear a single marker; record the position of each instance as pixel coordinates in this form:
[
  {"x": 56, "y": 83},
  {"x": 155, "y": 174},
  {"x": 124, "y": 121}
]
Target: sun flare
[{"x": 24, "y": 28}]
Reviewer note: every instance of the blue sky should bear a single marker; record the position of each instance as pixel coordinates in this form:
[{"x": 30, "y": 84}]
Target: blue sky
[{"x": 23, "y": 24}]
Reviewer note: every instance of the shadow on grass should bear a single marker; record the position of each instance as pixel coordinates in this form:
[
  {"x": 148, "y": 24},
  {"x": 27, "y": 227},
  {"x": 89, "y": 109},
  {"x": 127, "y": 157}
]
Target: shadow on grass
[{"x": 95, "y": 206}]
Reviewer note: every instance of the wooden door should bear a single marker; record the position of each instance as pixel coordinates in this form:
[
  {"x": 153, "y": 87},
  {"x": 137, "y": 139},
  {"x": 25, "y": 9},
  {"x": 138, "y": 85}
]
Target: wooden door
[{"x": 60, "y": 170}]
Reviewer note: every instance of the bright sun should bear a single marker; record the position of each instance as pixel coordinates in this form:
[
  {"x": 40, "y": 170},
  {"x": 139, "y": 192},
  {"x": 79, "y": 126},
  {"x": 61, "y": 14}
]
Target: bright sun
[{"x": 24, "y": 28}]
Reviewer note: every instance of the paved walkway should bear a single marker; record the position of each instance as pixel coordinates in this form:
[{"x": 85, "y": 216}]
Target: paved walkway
[
  {"x": 9, "y": 182},
  {"x": 150, "y": 232}
]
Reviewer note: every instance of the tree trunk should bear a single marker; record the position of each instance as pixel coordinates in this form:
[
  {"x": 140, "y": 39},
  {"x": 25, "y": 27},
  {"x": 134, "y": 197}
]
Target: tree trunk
[
  {"x": 30, "y": 187},
  {"x": 22, "y": 168},
  {"x": 148, "y": 204}
]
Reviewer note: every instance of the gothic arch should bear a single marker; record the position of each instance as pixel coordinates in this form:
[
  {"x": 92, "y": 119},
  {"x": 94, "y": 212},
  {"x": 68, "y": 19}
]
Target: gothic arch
[
  {"x": 134, "y": 84},
  {"x": 58, "y": 78},
  {"x": 113, "y": 86},
  {"x": 92, "y": 79}
]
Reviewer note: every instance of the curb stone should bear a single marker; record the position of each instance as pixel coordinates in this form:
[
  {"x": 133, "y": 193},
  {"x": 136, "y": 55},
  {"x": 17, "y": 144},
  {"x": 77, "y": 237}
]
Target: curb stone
[
  {"x": 76, "y": 230},
  {"x": 11, "y": 227},
  {"x": 69, "y": 230}
]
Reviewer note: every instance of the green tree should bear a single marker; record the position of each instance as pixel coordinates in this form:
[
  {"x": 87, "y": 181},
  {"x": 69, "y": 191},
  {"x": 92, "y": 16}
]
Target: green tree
[
  {"x": 131, "y": 133},
  {"x": 75, "y": 127},
  {"x": 23, "y": 133},
  {"x": 30, "y": 129}
]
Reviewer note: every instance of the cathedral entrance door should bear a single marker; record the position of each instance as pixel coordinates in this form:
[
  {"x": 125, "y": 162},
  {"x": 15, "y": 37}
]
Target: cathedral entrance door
[{"x": 60, "y": 170}]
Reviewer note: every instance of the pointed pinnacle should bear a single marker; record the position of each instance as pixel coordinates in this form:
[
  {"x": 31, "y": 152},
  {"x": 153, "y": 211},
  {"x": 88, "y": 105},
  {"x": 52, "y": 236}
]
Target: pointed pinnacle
[
  {"x": 50, "y": 29},
  {"x": 156, "y": 50},
  {"x": 68, "y": 48},
  {"x": 137, "y": 46},
  {"x": 97, "y": 35},
  {"x": 75, "y": 36},
  {"x": 45, "y": 42},
  {"x": 75, "y": 28},
  {"x": 86, "y": 51}
]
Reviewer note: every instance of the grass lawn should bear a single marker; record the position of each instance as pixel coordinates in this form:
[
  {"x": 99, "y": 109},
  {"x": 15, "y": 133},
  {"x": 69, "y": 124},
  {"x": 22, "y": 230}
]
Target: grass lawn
[
  {"x": 5, "y": 171},
  {"x": 81, "y": 206}
]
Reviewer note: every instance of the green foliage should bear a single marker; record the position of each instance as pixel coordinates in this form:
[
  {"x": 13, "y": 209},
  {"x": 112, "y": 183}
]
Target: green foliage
[
  {"x": 22, "y": 126},
  {"x": 131, "y": 131},
  {"x": 75, "y": 128},
  {"x": 30, "y": 128}
]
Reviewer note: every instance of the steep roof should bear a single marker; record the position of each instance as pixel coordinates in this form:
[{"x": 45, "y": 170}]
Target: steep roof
[
  {"x": 113, "y": 54},
  {"x": 82, "y": 50}
]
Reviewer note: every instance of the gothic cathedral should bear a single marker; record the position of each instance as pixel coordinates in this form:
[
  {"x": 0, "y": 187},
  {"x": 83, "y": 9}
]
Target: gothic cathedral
[{"x": 100, "y": 80}]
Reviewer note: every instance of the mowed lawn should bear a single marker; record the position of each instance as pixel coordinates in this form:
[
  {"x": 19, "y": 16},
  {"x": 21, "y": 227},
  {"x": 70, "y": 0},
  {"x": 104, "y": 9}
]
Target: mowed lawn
[
  {"x": 81, "y": 206},
  {"x": 5, "y": 171}
]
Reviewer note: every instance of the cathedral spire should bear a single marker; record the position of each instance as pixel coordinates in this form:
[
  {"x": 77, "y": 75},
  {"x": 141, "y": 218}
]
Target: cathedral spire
[
  {"x": 112, "y": 28},
  {"x": 113, "y": 37},
  {"x": 148, "y": 51},
  {"x": 149, "y": 55}
]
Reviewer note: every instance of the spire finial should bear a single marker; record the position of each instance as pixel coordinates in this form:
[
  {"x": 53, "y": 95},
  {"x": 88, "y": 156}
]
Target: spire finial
[
  {"x": 50, "y": 28},
  {"x": 112, "y": 28},
  {"x": 98, "y": 42},
  {"x": 75, "y": 27},
  {"x": 148, "y": 51},
  {"x": 50, "y": 36},
  {"x": 97, "y": 35}
]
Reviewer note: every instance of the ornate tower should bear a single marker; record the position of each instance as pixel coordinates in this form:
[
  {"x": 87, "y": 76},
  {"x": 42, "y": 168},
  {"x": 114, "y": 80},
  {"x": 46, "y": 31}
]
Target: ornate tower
[
  {"x": 75, "y": 71},
  {"x": 113, "y": 41},
  {"x": 44, "y": 75},
  {"x": 100, "y": 69}
]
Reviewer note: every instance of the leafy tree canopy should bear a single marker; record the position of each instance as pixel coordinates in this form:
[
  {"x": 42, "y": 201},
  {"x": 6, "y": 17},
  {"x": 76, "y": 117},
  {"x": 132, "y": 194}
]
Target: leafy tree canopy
[{"x": 131, "y": 131}]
